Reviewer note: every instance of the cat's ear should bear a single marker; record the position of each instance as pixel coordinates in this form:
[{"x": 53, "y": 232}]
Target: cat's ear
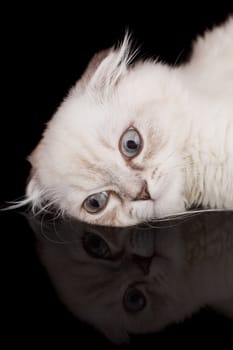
[
  {"x": 92, "y": 67},
  {"x": 107, "y": 67}
]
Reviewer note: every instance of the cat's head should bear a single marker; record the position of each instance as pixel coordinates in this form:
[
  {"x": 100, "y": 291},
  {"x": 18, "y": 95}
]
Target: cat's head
[
  {"x": 122, "y": 281},
  {"x": 111, "y": 154}
]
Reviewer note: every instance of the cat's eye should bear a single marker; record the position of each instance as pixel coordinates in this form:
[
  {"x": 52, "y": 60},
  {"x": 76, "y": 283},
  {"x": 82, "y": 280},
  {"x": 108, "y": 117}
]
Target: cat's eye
[
  {"x": 95, "y": 246},
  {"x": 96, "y": 202},
  {"x": 130, "y": 143},
  {"x": 134, "y": 300}
]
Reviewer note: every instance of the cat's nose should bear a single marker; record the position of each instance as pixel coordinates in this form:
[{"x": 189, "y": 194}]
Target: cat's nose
[
  {"x": 143, "y": 193},
  {"x": 143, "y": 263}
]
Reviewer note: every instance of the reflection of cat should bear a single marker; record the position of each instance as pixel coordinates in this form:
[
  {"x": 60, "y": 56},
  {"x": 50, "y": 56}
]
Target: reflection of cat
[
  {"x": 138, "y": 280},
  {"x": 134, "y": 143}
]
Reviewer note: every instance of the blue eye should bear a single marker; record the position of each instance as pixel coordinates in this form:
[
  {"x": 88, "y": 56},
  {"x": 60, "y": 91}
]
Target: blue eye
[
  {"x": 130, "y": 143},
  {"x": 96, "y": 202}
]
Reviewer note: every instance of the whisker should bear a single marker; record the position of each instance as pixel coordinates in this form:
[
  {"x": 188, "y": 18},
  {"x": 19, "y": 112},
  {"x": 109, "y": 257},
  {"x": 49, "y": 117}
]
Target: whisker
[{"x": 190, "y": 213}]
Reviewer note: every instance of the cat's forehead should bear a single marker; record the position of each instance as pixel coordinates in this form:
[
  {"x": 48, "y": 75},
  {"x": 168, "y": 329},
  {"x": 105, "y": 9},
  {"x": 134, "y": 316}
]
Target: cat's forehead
[
  {"x": 90, "y": 114},
  {"x": 87, "y": 118}
]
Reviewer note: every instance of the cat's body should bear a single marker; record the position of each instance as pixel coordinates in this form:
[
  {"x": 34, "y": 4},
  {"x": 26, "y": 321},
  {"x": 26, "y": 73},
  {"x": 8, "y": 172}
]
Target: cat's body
[
  {"x": 132, "y": 144},
  {"x": 172, "y": 271}
]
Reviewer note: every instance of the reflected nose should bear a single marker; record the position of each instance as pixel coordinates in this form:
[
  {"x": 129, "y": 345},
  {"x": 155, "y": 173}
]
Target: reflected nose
[
  {"x": 143, "y": 263},
  {"x": 143, "y": 193}
]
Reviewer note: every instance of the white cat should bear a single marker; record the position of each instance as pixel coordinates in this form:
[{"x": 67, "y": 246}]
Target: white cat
[
  {"x": 134, "y": 143},
  {"x": 139, "y": 280}
]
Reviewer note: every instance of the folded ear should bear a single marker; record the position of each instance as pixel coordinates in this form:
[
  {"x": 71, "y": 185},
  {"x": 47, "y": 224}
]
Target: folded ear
[
  {"x": 93, "y": 65},
  {"x": 107, "y": 67}
]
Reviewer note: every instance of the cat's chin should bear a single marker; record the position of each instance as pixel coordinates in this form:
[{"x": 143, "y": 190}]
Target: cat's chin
[
  {"x": 155, "y": 210},
  {"x": 166, "y": 196},
  {"x": 164, "y": 208}
]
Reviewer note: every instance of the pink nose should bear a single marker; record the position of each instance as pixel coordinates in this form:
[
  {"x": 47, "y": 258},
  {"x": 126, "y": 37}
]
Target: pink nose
[{"x": 143, "y": 194}]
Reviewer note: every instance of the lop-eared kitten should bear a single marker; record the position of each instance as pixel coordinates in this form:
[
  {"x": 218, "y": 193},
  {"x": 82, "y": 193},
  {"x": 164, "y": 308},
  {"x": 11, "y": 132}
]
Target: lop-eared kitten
[{"x": 131, "y": 143}]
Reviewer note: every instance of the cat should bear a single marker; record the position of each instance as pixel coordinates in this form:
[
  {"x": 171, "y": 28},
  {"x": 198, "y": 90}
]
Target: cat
[
  {"x": 136, "y": 280},
  {"x": 136, "y": 142}
]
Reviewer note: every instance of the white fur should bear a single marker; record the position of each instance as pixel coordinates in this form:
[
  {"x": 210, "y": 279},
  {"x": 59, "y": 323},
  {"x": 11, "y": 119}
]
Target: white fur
[{"x": 184, "y": 115}]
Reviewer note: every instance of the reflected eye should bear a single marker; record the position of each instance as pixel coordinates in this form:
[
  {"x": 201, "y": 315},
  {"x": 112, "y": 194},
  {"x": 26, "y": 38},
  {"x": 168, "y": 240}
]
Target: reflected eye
[
  {"x": 96, "y": 246},
  {"x": 96, "y": 202},
  {"x": 134, "y": 300},
  {"x": 130, "y": 143}
]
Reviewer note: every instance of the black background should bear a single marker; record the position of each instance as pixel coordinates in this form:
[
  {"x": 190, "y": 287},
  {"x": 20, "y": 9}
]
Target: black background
[{"x": 44, "y": 52}]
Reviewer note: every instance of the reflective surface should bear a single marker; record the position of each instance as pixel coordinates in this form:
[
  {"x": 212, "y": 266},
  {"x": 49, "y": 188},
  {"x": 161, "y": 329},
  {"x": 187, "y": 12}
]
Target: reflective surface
[{"x": 139, "y": 280}]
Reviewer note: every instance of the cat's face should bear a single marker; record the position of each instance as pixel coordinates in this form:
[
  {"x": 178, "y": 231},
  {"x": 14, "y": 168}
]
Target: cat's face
[
  {"x": 111, "y": 155},
  {"x": 122, "y": 281}
]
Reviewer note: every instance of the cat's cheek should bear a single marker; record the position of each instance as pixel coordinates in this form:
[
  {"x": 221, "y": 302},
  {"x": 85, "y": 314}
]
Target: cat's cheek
[{"x": 125, "y": 217}]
